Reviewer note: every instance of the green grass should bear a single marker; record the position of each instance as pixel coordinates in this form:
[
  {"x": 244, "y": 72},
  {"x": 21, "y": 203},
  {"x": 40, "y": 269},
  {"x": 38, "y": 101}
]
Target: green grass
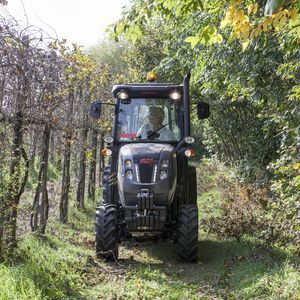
[
  {"x": 62, "y": 265},
  {"x": 48, "y": 270},
  {"x": 50, "y": 267}
]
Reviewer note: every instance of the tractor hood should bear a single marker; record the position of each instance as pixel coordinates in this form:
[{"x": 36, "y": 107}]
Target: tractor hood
[{"x": 148, "y": 166}]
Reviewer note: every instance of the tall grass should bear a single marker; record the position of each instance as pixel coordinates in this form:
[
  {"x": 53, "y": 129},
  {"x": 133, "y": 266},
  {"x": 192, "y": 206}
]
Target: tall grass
[{"x": 50, "y": 267}]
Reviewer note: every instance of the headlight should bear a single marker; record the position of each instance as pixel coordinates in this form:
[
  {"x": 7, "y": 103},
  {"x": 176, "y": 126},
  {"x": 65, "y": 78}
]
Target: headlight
[
  {"x": 164, "y": 164},
  {"x": 106, "y": 152},
  {"x": 129, "y": 174},
  {"x": 128, "y": 163},
  {"x": 190, "y": 153},
  {"x": 163, "y": 174}
]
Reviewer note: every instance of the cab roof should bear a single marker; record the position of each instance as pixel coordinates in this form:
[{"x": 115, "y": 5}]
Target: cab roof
[{"x": 147, "y": 90}]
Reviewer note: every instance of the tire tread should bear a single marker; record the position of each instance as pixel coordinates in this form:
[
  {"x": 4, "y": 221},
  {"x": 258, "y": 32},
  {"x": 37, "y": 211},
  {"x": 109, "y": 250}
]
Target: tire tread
[{"x": 188, "y": 233}]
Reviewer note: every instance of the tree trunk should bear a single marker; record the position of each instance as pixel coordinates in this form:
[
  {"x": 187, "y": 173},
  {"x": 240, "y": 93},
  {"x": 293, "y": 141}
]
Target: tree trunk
[
  {"x": 65, "y": 184},
  {"x": 82, "y": 169},
  {"x": 66, "y": 177},
  {"x": 40, "y": 207},
  {"x": 14, "y": 210},
  {"x": 92, "y": 169},
  {"x": 33, "y": 145},
  {"x": 16, "y": 184},
  {"x": 59, "y": 150}
]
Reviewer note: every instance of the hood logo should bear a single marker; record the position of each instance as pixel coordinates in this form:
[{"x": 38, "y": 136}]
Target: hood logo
[{"x": 147, "y": 161}]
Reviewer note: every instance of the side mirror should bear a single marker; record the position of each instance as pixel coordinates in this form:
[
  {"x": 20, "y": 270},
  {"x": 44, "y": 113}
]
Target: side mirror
[
  {"x": 95, "y": 110},
  {"x": 203, "y": 111}
]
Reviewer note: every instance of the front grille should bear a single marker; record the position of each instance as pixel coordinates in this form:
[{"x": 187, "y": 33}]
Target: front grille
[{"x": 146, "y": 173}]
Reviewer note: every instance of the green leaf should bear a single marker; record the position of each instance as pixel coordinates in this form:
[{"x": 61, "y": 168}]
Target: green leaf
[
  {"x": 272, "y": 6},
  {"x": 217, "y": 38},
  {"x": 193, "y": 40},
  {"x": 232, "y": 37}
]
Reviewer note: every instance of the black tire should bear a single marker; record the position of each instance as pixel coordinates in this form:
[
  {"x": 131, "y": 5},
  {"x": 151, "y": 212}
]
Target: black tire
[
  {"x": 188, "y": 233},
  {"x": 105, "y": 185},
  {"x": 106, "y": 232},
  {"x": 192, "y": 185}
]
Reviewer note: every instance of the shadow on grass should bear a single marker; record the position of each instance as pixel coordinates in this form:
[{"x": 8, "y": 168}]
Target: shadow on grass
[{"x": 224, "y": 267}]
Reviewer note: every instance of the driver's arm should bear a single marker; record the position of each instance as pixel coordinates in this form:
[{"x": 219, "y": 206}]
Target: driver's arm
[{"x": 142, "y": 132}]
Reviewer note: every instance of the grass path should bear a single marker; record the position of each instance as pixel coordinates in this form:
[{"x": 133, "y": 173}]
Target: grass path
[
  {"x": 226, "y": 270},
  {"x": 63, "y": 266}
]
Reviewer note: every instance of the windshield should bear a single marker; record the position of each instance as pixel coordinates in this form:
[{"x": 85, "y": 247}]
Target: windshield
[{"x": 148, "y": 119}]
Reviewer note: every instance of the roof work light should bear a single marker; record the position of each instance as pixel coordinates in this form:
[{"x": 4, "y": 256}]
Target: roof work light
[
  {"x": 175, "y": 95},
  {"x": 151, "y": 76},
  {"x": 122, "y": 95}
]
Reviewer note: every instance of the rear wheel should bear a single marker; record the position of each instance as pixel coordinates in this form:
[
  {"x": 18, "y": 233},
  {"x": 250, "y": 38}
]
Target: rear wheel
[
  {"x": 106, "y": 232},
  {"x": 188, "y": 233}
]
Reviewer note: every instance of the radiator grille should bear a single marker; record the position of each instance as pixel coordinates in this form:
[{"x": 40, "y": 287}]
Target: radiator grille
[{"x": 146, "y": 173}]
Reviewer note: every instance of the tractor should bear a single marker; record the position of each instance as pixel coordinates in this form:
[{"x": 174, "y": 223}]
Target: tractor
[{"x": 149, "y": 187}]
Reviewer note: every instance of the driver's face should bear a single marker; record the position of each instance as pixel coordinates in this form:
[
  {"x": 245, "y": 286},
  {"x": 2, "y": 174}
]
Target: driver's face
[{"x": 156, "y": 119}]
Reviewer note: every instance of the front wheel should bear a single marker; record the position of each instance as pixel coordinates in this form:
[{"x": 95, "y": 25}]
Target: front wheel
[
  {"x": 106, "y": 232},
  {"x": 188, "y": 233},
  {"x": 105, "y": 184}
]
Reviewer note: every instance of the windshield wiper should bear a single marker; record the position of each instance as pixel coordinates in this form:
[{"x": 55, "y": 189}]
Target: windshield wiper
[{"x": 154, "y": 133}]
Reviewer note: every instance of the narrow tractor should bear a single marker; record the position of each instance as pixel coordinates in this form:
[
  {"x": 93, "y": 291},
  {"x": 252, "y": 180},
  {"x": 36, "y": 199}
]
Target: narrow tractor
[{"x": 149, "y": 188}]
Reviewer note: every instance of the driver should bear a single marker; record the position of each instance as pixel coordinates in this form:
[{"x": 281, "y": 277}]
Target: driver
[{"x": 155, "y": 126}]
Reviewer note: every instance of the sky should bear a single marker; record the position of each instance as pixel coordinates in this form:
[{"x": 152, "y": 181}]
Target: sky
[{"x": 82, "y": 22}]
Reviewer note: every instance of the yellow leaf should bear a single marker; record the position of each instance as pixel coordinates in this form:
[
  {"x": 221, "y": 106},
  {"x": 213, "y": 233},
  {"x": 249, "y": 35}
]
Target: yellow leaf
[
  {"x": 224, "y": 22},
  {"x": 230, "y": 12},
  {"x": 282, "y": 22},
  {"x": 238, "y": 17},
  {"x": 250, "y": 8},
  {"x": 245, "y": 31},
  {"x": 296, "y": 166},
  {"x": 245, "y": 45},
  {"x": 293, "y": 14},
  {"x": 277, "y": 17},
  {"x": 256, "y": 32},
  {"x": 255, "y": 8},
  {"x": 269, "y": 20},
  {"x": 238, "y": 30},
  {"x": 228, "y": 17},
  {"x": 232, "y": 38}
]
